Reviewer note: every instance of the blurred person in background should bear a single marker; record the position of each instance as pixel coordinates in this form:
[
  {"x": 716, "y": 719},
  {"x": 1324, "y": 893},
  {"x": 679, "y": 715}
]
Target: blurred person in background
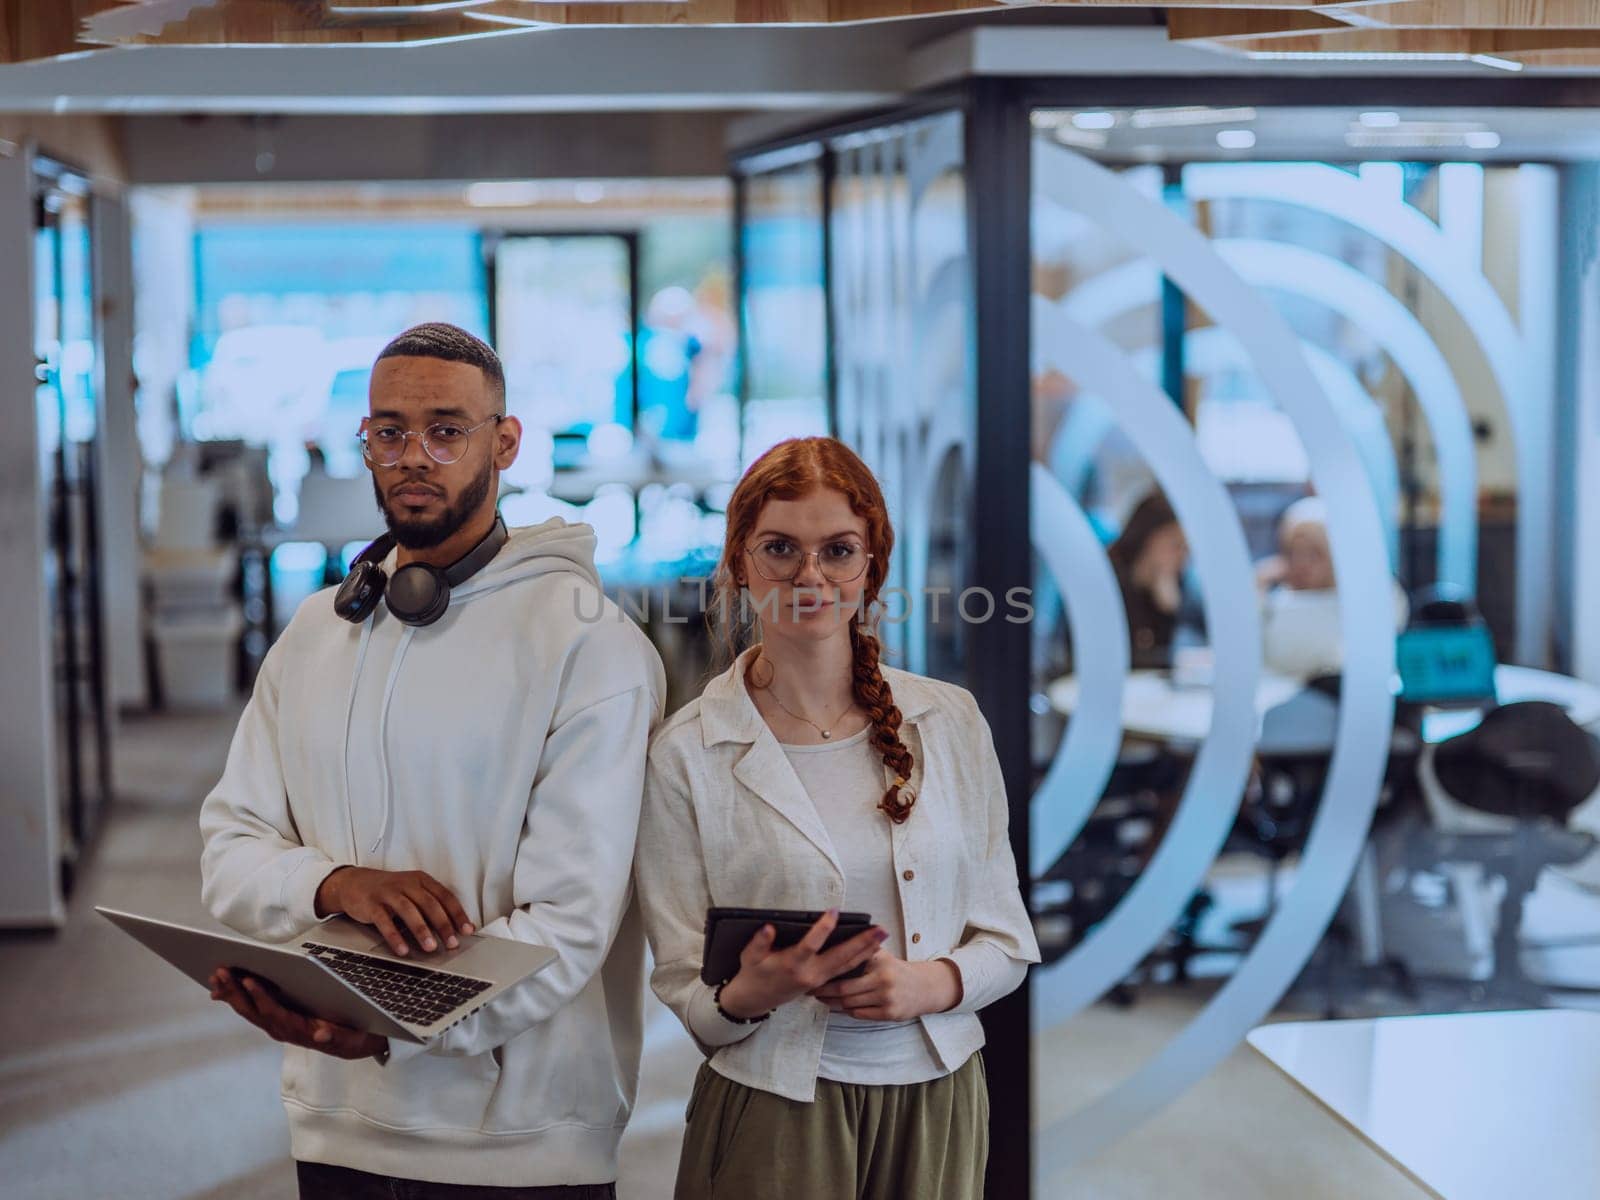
[
  {"x": 1149, "y": 558},
  {"x": 668, "y": 349},
  {"x": 1304, "y": 562},
  {"x": 1300, "y": 629}
]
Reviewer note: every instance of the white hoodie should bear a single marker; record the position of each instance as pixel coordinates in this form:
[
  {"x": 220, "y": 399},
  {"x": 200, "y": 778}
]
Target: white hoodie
[{"x": 501, "y": 750}]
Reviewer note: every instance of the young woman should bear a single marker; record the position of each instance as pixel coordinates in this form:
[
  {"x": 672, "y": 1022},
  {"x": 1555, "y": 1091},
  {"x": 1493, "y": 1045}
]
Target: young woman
[
  {"x": 809, "y": 776},
  {"x": 1149, "y": 558}
]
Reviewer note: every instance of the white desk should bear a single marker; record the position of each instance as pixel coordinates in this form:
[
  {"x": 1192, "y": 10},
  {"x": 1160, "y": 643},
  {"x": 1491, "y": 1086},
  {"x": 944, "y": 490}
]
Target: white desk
[
  {"x": 1580, "y": 699},
  {"x": 1154, "y": 708},
  {"x": 1474, "y": 1106}
]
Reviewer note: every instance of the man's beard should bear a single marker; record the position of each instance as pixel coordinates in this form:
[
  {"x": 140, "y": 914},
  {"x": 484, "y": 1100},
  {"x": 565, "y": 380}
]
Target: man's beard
[{"x": 424, "y": 533}]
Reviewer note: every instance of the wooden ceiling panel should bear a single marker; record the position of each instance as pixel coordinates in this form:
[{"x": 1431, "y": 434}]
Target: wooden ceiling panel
[
  {"x": 1533, "y": 32},
  {"x": 1541, "y": 32},
  {"x": 1219, "y": 24},
  {"x": 1484, "y": 14},
  {"x": 393, "y": 7},
  {"x": 32, "y": 30},
  {"x": 1559, "y": 58},
  {"x": 308, "y": 22},
  {"x": 1427, "y": 42},
  {"x": 739, "y": 12}
]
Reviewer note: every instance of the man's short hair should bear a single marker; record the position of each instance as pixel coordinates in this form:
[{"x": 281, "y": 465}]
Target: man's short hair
[{"x": 436, "y": 339}]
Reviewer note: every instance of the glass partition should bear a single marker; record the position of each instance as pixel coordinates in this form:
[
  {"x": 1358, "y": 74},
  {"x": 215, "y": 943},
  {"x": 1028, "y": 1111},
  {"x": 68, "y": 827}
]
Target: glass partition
[
  {"x": 1257, "y": 382},
  {"x": 783, "y": 306},
  {"x": 1282, "y": 389},
  {"x": 901, "y": 292}
]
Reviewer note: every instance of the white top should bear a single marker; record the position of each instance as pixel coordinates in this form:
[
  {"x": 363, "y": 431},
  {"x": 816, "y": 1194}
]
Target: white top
[
  {"x": 1475, "y": 1106},
  {"x": 845, "y": 779},
  {"x": 726, "y": 821},
  {"x": 1300, "y": 633}
]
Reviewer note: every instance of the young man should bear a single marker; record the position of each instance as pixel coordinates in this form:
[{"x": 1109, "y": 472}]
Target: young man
[{"x": 482, "y": 770}]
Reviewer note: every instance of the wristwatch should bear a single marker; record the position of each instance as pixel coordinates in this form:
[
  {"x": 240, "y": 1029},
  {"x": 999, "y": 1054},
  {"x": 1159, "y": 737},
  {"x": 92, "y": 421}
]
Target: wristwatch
[{"x": 716, "y": 998}]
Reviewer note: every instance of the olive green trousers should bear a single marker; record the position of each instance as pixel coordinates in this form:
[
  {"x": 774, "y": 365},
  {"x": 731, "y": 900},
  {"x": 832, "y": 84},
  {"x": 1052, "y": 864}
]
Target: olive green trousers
[{"x": 919, "y": 1141}]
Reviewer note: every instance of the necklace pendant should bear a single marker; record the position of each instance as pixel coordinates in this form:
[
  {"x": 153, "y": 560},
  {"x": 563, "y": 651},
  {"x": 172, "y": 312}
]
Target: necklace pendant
[{"x": 827, "y": 733}]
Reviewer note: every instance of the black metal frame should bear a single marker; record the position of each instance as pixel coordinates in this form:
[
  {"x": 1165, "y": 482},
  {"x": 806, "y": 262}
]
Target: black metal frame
[
  {"x": 741, "y": 382},
  {"x": 489, "y": 242},
  {"x": 79, "y": 601},
  {"x": 1174, "y": 305},
  {"x": 1579, "y": 192},
  {"x": 830, "y": 316},
  {"x": 781, "y": 156},
  {"x": 999, "y": 211}
]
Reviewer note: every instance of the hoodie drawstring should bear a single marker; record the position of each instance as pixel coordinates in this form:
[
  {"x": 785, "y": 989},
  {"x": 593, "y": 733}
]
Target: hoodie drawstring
[
  {"x": 349, "y": 717},
  {"x": 383, "y": 737}
]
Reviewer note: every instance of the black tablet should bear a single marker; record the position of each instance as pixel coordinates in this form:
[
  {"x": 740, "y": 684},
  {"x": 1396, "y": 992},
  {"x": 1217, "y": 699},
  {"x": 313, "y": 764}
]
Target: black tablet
[{"x": 729, "y": 930}]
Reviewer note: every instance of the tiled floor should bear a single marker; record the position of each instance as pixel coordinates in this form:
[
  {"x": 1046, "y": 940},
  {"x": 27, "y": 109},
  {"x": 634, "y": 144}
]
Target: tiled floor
[{"x": 120, "y": 1078}]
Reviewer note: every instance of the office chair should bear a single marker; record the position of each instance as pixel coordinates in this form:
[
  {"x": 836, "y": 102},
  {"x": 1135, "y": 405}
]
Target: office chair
[
  {"x": 1275, "y": 821},
  {"x": 1292, "y": 755},
  {"x": 1498, "y": 797},
  {"x": 1083, "y": 886}
]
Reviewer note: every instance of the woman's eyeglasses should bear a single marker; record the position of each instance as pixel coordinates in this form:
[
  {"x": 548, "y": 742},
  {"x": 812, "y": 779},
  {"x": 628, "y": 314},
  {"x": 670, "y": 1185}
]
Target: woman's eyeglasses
[
  {"x": 778, "y": 560},
  {"x": 445, "y": 442}
]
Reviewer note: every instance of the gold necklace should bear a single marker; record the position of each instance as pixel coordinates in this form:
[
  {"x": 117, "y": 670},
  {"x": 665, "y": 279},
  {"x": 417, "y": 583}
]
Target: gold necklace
[{"x": 827, "y": 734}]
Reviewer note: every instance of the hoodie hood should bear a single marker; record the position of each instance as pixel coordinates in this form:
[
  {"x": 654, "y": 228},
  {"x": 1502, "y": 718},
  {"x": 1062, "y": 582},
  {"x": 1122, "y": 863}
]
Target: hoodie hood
[{"x": 553, "y": 545}]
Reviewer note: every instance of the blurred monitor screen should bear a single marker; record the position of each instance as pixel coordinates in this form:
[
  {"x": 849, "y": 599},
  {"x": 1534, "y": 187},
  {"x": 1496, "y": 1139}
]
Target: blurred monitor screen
[{"x": 1446, "y": 664}]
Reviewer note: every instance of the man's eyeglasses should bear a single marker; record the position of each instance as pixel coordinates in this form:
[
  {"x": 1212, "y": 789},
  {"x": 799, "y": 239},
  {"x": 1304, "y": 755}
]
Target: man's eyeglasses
[
  {"x": 444, "y": 441},
  {"x": 778, "y": 560}
]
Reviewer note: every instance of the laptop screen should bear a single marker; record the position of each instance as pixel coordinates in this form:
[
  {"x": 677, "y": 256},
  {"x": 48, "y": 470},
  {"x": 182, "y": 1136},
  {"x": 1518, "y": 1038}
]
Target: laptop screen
[{"x": 1446, "y": 664}]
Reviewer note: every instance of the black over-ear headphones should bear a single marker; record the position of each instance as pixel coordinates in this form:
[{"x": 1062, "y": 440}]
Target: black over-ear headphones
[{"x": 419, "y": 593}]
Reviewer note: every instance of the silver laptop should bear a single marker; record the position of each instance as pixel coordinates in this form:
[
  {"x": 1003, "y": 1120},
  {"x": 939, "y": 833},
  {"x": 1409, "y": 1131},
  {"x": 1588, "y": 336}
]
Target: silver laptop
[{"x": 345, "y": 972}]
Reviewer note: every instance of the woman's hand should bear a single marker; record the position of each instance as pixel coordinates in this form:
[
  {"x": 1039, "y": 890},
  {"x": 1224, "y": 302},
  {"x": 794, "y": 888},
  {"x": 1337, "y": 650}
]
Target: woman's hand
[
  {"x": 895, "y": 990},
  {"x": 770, "y": 978}
]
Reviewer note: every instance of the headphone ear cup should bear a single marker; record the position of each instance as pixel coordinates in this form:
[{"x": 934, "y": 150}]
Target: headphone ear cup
[
  {"x": 418, "y": 594},
  {"x": 359, "y": 591}
]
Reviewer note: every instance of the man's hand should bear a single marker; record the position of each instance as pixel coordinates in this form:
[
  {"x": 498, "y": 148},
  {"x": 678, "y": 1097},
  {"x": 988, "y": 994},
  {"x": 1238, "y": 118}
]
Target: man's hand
[
  {"x": 893, "y": 989},
  {"x": 390, "y": 900},
  {"x": 254, "y": 1001},
  {"x": 1270, "y": 572}
]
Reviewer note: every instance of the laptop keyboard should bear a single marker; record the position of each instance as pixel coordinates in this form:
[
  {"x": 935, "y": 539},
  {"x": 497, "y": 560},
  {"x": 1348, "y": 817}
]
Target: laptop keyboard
[{"x": 418, "y": 995}]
